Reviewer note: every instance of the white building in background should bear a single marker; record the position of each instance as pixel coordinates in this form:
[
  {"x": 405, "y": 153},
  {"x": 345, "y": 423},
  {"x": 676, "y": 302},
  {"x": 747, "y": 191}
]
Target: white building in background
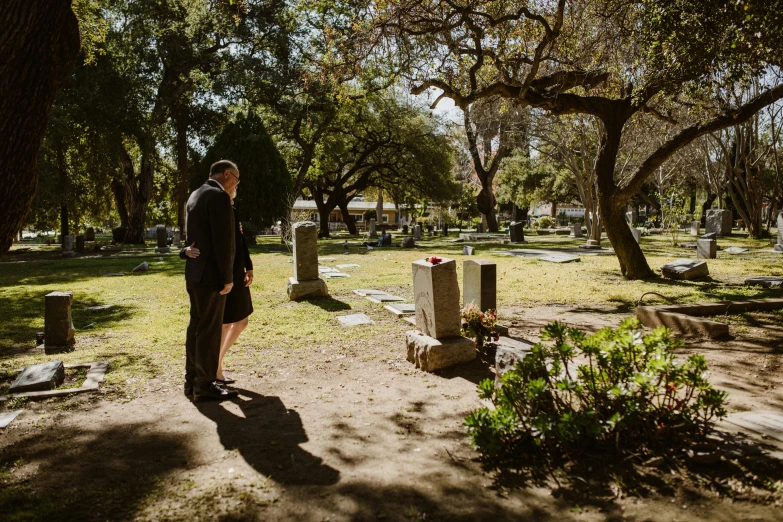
[{"x": 572, "y": 210}]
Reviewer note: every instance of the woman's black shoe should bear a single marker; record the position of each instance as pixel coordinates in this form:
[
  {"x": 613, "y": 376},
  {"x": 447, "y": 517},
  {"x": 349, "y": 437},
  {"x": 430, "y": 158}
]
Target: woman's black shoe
[
  {"x": 215, "y": 392},
  {"x": 227, "y": 380}
]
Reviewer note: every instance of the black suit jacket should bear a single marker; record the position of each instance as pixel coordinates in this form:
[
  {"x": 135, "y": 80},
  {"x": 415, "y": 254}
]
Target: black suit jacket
[{"x": 209, "y": 222}]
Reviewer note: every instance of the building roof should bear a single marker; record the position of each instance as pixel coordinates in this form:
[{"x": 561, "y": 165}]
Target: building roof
[{"x": 309, "y": 204}]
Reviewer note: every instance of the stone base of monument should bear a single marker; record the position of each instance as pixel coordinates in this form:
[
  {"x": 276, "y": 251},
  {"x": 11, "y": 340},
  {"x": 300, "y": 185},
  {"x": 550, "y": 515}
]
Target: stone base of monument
[
  {"x": 50, "y": 349},
  {"x": 162, "y": 250},
  {"x": 298, "y": 290},
  {"x": 592, "y": 244},
  {"x": 430, "y": 354}
]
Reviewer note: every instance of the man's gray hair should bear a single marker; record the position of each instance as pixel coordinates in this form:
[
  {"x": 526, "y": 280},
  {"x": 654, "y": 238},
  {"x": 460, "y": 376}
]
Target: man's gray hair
[{"x": 219, "y": 167}]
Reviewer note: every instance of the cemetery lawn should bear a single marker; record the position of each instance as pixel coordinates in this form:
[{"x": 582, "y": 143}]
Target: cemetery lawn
[{"x": 333, "y": 423}]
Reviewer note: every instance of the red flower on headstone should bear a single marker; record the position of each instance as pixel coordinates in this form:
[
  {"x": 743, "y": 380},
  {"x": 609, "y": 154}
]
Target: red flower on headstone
[{"x": 435, "y": 260}]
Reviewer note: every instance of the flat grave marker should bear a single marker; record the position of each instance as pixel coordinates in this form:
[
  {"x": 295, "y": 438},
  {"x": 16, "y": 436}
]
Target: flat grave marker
[
  {"x": 8, "y": 416},
  {"x": 769, "y": 423},
  {"x": 364, "y": 292},
  {"x": 39, "y": 377},
  {"x": 400, "y": 309},
  {"x": 354, "y": 320},
  {"x": 385, "y": 298}
]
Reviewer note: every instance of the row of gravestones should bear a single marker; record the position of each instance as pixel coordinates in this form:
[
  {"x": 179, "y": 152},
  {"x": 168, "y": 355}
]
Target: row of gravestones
[{"x": 70, "y": 249}]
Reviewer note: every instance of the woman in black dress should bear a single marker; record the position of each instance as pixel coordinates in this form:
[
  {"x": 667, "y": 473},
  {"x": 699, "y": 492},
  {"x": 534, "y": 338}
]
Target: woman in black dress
[{"x": 239, "y": 305}]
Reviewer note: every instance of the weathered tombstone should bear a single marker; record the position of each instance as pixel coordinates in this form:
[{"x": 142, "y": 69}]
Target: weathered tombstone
[
  {"x": 710, "y": 235},
  {"x": 516, "y": 232},
  {"x": 479, "y": 283},
  {"x": 576, "y": 230},
  {"x": 719, "y": 221},
  {"x": 417, "y": 232},
  {"x": 436, "y": 296},
  {"x": 39, "y": 377},
  {"x": 305, "y": 282},
  {"x": 507, "y": 356},
  {"x": 89, "y": 234},
  {"x": 177, "y": 238},
  {"x": 686, "y": 269},
  {"x": 480, "y": 228},
  {"x": 80, "y": 244},
  {"x": 445, "y": 230},
  {"x": 706, "y": 249},
  {"x": 68, "y": 246},
  {"x": 144, "y": 267},
  {"x": 765, "y": 281},
  {"x": 163, "y": 240},
  {"x": 386, "y": 240},
  {"x": 408, "y": 242},
  {"x": 779, "y": 245},
  {"x": 405, "y": 229},
  {"x": 354, "y": 320},
  {"x": 637, "y": 234},
  {"x": 467, "y": 250},
  {"x": 695, "y": 225},
  {"x": 59, "y": 335},
  {"x": 373, "y": 233}
]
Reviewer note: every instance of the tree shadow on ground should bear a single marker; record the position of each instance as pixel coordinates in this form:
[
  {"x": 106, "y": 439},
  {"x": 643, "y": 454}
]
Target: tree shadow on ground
[
  {"x": 480, "y": 368},
  {"x": 92, "y": 472},
  {"x": 268, "y": 435}
]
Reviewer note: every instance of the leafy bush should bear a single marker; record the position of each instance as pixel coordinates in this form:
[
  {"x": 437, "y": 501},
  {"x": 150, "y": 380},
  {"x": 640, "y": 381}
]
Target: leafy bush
[
  {"x": 613, "y": 390},
  {"x": 478, "y": 324},
  {"x": 545, "y": 222}
]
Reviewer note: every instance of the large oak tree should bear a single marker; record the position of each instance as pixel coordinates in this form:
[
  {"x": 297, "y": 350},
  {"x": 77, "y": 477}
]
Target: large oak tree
[{"x": 613, "y": 60}]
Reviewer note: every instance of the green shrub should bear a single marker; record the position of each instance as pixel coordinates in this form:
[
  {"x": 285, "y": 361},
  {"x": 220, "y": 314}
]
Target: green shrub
[
  {"x": 545, "y": 222},
  {"x": 613, "y": 390}
]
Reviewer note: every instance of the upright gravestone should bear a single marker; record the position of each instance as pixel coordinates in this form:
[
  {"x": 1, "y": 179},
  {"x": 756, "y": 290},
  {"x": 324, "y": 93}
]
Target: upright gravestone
[
  {"x": 373, "y": 233},
  {"x": 576, "y": 230},
  {"x": 89, "y": 234},
  {"x": 163, "y": 240},
  {"x": 305, "y": 283},
  {"x": 405, "y": 229},
  {"x": 480, "y": 228},
  {"x": 408, "y": 242},
  {"x": 436, "y": 294},
  {"x": 445, "y": 230},
  {"x": 706, "y": 249},
  {"x": 68, "y": 246},
  {"x": 177, "y": 239},
  {"x": 59, "y": 335},
  {"x": 637, "y": 234},
  {"x": 695, "y": 225},
  {"x": 479, "y": 283},
  {"x": 80, "y": 244},
  {"x": 779, "y": 245},
  {"x": 516, "y": 231},
  {"x": 467, "y": 250},
  {"x": 417, "y": 233},
  {"x": 719, "y": 221}
]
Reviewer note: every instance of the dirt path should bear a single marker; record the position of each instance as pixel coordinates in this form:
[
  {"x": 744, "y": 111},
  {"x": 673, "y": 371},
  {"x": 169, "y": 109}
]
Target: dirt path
[{"x": 338, "y": 436}]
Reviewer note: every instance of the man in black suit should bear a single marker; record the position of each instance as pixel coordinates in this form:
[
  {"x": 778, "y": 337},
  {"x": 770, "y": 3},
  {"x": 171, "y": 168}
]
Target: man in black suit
[{"x": 209, "y": 225}]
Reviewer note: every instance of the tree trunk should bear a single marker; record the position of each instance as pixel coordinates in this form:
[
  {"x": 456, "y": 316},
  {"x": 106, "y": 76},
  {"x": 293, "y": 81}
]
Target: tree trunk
[
  {"x": 707, "y": 205},
  {"x": 39, "y": 42},
  {"x": 342, "y": 203},
  {"x": 183, "y": 178},
  {"x": 553, "y": 211},
  {"x": 324, "y": 210},
  {"x": 138, "y": 190},
  {"x": 633, "y": 264},
  {"x": 63, "y": 172},
  {"x": 485, "y": 201},
  {"x": 120, "y": 199},
  {"x": 379, "y": 207}
]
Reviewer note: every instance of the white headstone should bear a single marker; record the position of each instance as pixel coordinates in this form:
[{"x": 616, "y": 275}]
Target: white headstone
[
  {"x": 436, "y": 297},
  {"x": 305, "y": 236}
]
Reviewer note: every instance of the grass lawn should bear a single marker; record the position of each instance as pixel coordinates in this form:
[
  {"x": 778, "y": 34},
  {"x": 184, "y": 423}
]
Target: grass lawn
[
  {"x": 142, "y": 334},
  {"x": 332, "y": 423}
]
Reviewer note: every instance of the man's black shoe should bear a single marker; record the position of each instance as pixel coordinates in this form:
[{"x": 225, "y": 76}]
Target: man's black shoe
[
  {"x": 188, "y": 389},
  {"x": 215, "y": 392}
]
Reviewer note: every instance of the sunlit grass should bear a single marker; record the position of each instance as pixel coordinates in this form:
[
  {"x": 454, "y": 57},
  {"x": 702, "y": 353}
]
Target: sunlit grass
[{"x": 142, "y": 335}]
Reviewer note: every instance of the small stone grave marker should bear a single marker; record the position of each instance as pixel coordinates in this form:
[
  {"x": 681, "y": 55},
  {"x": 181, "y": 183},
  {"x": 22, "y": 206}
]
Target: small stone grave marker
[
  {"x": 401, "y": 308},
  {"x": 709, "y": 235},
  {"x": 467, "y": 250},
  {"x": 687, "y": 269},
  {"x": 735, "y": 250},
  {"x": 100, "y": 307},
  {"x": 354, "y": 320},
  {"x": 58, "y": 325},
  {"x": 39, "y": 377},
  {"x": 327, "y": 258},
  {"x": 364, "y": 292},
  {"x": 144, "y": 267},
  {"x": 765, "y": 281},
  {"x": 706, "y": 249},
  {"x": 408, "y": 242},
  {"x": 331, "y": 275},
  {"x": 325, "y": 269},
  {"x": 385, "y": 298},
  {"x": 8, "y": 416},
  {"x": 114, "y": 274},
  {"x": 769, "y": 423},
  {"x": 353, "y": 265}
]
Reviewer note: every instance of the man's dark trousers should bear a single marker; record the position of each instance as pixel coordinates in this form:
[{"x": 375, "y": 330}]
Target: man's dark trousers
[{"x": 203, "y": 335}]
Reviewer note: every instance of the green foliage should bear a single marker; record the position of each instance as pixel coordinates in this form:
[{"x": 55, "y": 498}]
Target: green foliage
[
  {"x": 673, "y": 214},
  {"x": 478, "y": 324},
  {"x": 544, "y": 222},
  {"x": 266, "y": 182},
  {"x": 613, "y": 390}
]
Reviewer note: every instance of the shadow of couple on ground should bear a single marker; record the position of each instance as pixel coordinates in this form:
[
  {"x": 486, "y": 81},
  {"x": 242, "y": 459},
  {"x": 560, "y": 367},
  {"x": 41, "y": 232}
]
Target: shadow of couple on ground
[{"x": 268, "y": 435}]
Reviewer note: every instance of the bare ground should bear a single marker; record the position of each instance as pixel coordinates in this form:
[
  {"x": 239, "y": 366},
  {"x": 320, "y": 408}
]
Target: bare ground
[{"x": 340, "y": 435}]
